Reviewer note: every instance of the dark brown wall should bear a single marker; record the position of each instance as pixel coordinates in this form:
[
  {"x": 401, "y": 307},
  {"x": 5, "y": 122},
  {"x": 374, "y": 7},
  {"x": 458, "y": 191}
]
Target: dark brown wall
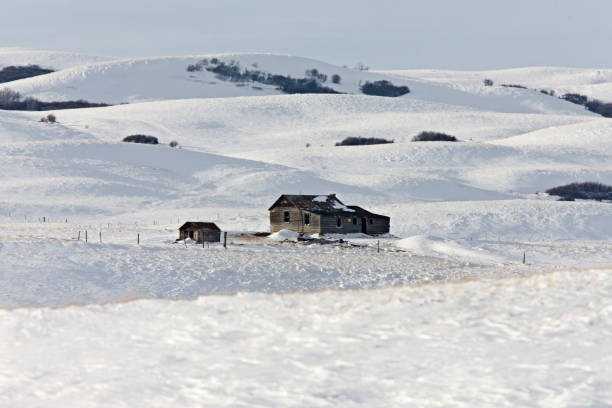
[
  {"x": 296, "y": 221},
  {"x": 199, "y": 235},
  {"x": 324, "y": 224},
  {"x": 208, "y": 236},
  {"x": 329, "y": 225}
]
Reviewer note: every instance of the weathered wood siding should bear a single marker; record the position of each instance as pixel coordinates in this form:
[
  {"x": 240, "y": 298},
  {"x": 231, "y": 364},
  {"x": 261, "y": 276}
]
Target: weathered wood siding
[
  {"x": 379, "y": 225},
  {"x": 329, "y": 225},
  {"x": 325, "y": 224},
  {"x": 200, "y": 235},
  {"x": 207, "y": 236},
  {"x": 296, "y": 220}
]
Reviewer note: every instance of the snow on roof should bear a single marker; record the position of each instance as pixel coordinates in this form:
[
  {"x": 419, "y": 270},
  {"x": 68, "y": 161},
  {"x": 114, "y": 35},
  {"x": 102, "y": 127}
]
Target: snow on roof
[
  {"x": 338, "y": 205},
  {"x": 321, "y": 204}
]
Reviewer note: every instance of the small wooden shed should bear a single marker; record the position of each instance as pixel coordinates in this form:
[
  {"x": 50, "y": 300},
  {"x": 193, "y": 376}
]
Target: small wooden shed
[{"x": 200, "y": 231}]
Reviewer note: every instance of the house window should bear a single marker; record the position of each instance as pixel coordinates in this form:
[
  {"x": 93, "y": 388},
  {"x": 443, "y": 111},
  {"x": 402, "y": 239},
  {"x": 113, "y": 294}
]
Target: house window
[
  {"x": 371, "y": 221},
  {"x": 286, "y": 216},
  {"x": 306, "y": 219},
  {"x": 338, "y": 222},
  {"x": 354, "y": 221}
]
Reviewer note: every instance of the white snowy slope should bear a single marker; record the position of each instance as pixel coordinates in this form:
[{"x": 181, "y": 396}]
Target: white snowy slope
[
  {"x": 148, "y": 79},
  {"x": 539, "y": 341},
  {"x": 79, "y": 167},
  {"x": 56, "y": 60},
  {"x": 594, "y": 83},
  {"x": 80, "y": 158}
]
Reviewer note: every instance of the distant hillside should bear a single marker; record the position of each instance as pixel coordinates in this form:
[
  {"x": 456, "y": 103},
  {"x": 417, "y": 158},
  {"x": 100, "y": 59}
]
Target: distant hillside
[
  {"x": 595, "y": 83},
  {"x": 55, "y": 60},
  {"x": 231, "y": 75}
]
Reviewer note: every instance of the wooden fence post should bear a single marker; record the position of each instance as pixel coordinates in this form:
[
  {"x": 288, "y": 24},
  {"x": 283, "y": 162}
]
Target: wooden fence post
[
  {"x": 138, "y": 239},
  {"x": 378, "y": 246},
  {"x": 79, "y": 238},
  {"x": 225, "y": 239},
  {"x": 523, "y": 257},
  {"x": 100, "y": 236},
  {"x": 85, "y": 235}
]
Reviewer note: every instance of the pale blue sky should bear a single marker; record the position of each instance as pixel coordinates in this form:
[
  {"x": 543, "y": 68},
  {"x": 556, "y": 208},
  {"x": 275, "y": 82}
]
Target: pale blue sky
[{"x": 454, "y": 34}]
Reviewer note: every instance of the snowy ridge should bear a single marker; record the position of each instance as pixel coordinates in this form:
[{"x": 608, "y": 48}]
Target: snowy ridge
[
  {"x": 149, "y": 79},
  {"x": 595, "y": 83},
  {"x": 56, "y": 60}
]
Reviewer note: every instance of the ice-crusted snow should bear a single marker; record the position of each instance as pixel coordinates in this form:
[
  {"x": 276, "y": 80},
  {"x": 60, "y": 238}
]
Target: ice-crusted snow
[{"x": 446, "y": 314}]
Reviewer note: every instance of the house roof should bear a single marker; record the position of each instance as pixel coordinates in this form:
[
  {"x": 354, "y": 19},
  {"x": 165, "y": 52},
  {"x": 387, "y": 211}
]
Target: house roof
[
  {"x": 199, "y": 225},
  {"x": 321, "y": 204},
  {"x": 363, "y": 212}
]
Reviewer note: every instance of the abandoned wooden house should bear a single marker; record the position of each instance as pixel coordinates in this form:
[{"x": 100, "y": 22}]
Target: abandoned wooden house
[
  {"x": 323, "y": 214},
  {"x": 200, "y": 231}
]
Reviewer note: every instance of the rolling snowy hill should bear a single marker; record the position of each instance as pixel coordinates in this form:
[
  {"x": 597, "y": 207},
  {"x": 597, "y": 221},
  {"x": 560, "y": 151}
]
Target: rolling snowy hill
[
  {"x": 55, "y": 60},
  {"x": 462, "y": 288},
  {"x": 595, "y": 83},
  {"x": 149, "y": 79}
]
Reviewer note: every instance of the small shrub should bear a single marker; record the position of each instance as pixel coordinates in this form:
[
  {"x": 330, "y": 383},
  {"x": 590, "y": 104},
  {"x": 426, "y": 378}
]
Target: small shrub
[
  {"x": 194, "y": 67},
  {"x": 305, "y": 86},
  {"x": 604, "y": 109},
  {"x": 141, "y": 139},
  {"x": 384, "y": 88},
  {"x": 433, "y": 137},
  {"x": 513, "y": 86},
  {"x": 13, "y": 73},
  {"x": 595, "y": 106},
  {"x": 488, "y": 82},
  {"x": 173, "y": 143},
  {"x": 585, "y": 191},
  {"x": 232, "y": 72},
  {"x": 51, "y": 118},
  {"x": 316, "y": 75},
  {"x": 357, "y": 141},
  {"x": 336, "y": 79},
  {"x": 11, "y": 100},
  {"x": 575, "y": 98}
]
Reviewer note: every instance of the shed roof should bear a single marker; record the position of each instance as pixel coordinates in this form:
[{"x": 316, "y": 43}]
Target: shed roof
[
  {"x": 196, "y": 225},
  {"x": 321, "y": 204}
]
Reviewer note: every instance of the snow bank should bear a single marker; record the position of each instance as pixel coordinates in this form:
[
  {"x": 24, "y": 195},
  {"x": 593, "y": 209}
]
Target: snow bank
[
  {"x": 436, "y": 246},
  {"x": 284, "y": 235}
]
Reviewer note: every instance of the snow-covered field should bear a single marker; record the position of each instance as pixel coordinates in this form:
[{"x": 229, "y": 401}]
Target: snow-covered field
[
  {"x": 537, "y": 341},
  {"x": 446, "y": 314}
]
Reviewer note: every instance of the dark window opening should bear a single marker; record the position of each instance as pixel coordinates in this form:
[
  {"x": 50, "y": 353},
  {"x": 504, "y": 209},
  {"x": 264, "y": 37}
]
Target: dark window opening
[
  {"x": 286, "y": 216},
  {"x": 306, "y": 219},
  {"x": 338, "y": 222},
  {"x": 371, "y": 221},
  {"x": 354, "y": 221}
]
